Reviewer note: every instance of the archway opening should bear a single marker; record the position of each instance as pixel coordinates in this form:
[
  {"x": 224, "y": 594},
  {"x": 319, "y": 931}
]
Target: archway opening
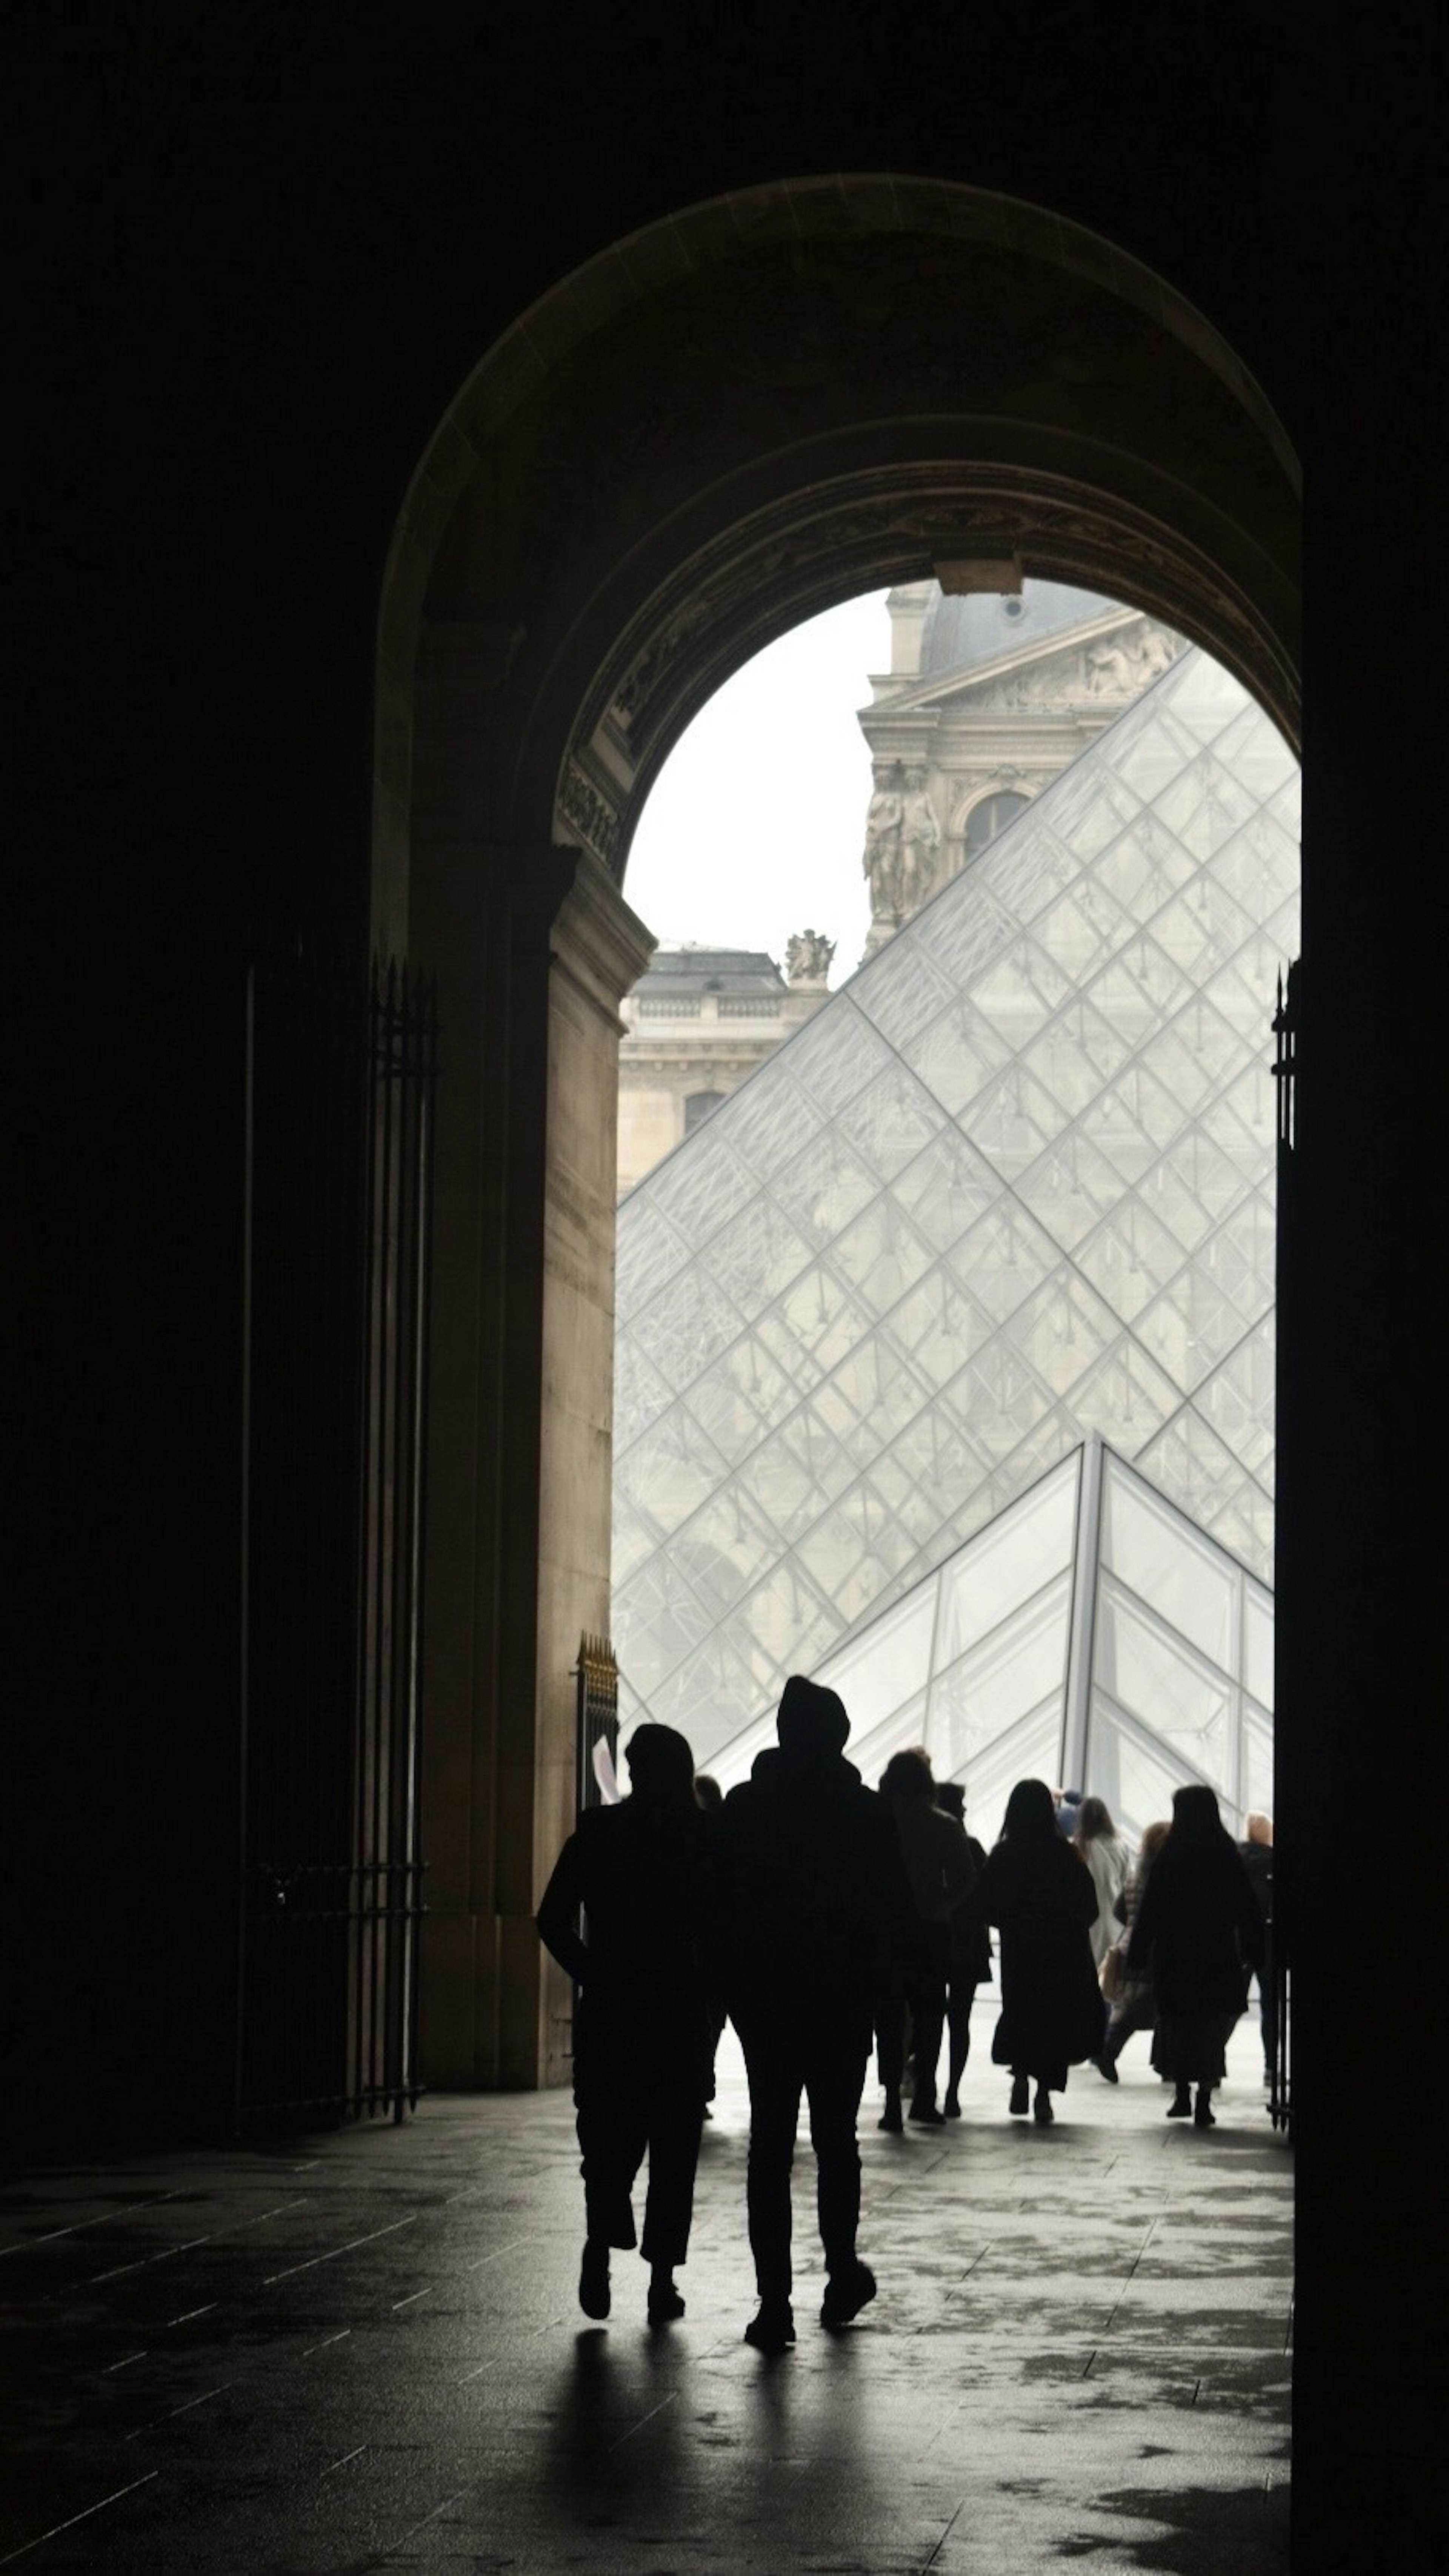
[
  {"x": 983, "y": 1242},
  {"x": 739, "y": 418}
]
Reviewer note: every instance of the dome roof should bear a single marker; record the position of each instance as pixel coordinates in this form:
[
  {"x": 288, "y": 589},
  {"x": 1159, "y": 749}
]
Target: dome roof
[{"x": 979, "y": 626}]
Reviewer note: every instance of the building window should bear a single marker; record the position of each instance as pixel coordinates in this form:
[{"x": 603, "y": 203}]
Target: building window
[
  {"x": 697, "y": 1107},
  {"x": 990, "y": 817}
]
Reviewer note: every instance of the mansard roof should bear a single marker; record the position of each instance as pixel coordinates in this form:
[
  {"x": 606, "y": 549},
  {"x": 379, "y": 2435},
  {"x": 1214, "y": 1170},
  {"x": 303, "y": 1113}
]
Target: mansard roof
[{"x": 701, "y": 970}]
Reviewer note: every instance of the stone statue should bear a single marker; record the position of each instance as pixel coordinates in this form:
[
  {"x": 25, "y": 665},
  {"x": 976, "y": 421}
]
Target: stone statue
[
  {"x": 920, "y": 841},
  {"x": 882, "y": 859},
  {"x": 808, "y": 957},
  {"x": 1109, "y": 673},
  {"x": 1154, "y": 654}
]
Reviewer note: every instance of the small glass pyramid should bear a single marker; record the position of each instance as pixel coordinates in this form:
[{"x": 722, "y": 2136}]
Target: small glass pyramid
[{"x": 1089, "y": 1635}]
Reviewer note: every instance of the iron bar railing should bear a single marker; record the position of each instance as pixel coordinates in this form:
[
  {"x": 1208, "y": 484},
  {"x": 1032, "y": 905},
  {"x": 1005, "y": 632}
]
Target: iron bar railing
[
  {"x": 340, "y": 1078},
  {"x": 1287, "y": 1743}
]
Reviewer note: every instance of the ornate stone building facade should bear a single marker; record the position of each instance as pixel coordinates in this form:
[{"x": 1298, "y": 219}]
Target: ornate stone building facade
[
  {"x": 696, "y": 1023},
  {"x": 988, "y": 698}
]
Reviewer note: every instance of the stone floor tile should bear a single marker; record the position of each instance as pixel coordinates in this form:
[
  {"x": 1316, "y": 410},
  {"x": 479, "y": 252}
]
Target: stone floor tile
[{"x": 362, "y": 2351}]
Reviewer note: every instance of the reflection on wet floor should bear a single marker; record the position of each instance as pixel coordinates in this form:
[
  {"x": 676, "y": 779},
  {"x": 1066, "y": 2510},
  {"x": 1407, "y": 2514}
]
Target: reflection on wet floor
[{"x": 363, "y": 2352}]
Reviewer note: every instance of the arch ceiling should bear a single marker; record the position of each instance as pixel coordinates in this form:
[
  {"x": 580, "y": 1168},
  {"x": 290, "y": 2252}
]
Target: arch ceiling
[{"x": 766, "y": 404}]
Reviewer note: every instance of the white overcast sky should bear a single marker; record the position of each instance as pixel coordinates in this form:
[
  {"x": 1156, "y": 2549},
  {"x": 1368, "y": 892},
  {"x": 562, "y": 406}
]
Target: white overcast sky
[{"x": 757, "y": 820}]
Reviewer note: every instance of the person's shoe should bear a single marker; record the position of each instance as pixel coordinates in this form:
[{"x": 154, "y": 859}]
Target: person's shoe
[
  {"x": 665, "y": 2304},
  {"x": 594, "y": 2280},
  {"x": 1020, "y": 2102},
  {"x": 1180, "y": 2107},
  {"x": 1107, "y": 2068},
  {"x": 1041, "y": 2109},
  {"x": 952, "y": 2104},
  {"x": 773, "y": 2329},
  {"x": 890, "y": 2117},
  {"x": 1202, "y": 2117},
  {"x": 846, "y": 2293},
  {"x": 928, "y": 2115}
]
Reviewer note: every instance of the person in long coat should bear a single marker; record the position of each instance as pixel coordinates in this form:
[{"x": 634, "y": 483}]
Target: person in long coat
[
  {"x": 1043, "y": 1900},
  {"x": 645, "y": 1874},
  {"x": 1133, "y": 2002},
  {"x": 1198, "y": 1933},
  {"x": 1109, "y": 1858}
]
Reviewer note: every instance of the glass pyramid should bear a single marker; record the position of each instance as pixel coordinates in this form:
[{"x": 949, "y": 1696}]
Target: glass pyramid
[
  {"x": 1011, "y": 1186},
  {"x": 1090, "y": 1634}
]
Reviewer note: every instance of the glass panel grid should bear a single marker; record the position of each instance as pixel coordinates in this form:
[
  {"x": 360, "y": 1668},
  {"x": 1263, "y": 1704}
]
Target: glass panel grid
[
  {"x": 1011, "y": 1185},
  {"x": 1172, "y": 1693}
]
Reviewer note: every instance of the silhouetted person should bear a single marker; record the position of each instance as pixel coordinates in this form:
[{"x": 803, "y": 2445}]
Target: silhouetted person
[
  {"x": 1198, "y": 1931},
  {"x": 940, "y": 1874},
  {"x": 1257, "y": 1851},
  {"x": 968, "y": 1958},
  {"x": 813, "y": 1880},
  {"x": 1133, "y": 2001},
  {"x": 1041, "y": 1896},
  {"x": 710, "y": 1796},
  {"x": 646, "y": 1875}
]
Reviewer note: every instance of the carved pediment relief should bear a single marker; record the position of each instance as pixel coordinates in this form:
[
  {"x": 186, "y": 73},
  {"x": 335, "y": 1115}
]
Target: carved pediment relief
[{"x": 1099, "y": 669}]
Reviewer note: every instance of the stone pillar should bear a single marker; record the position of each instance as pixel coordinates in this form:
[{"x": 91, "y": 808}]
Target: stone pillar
[{"x": 534, "y": 950}]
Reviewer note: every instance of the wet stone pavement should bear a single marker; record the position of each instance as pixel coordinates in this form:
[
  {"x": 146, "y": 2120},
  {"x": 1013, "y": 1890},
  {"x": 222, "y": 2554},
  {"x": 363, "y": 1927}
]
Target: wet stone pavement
[{"x": 363, "y": 2352}]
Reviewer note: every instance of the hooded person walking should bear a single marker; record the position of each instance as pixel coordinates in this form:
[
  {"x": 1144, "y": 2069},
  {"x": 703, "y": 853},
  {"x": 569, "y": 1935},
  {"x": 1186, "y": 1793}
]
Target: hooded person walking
[
  {"x": 645, "y": 1875},
  {"x": 815, "y": 1895}
]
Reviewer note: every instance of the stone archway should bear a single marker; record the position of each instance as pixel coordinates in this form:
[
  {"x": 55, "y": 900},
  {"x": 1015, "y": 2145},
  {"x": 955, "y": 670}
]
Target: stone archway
[{"x": 735, "y": 418}]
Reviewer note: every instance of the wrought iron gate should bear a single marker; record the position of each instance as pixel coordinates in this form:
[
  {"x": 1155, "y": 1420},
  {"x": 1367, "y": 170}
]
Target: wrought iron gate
[
  {"x": 1287, "y": 1739},
  {"x": 339, "y": 1085}
]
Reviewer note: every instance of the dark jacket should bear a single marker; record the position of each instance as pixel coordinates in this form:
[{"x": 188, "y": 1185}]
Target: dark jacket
[
  {"x": 1198, "y": 1929},
  {"x": 1043, "y": 1899},
  {"x": 815, "y": 1892},
  {"x": 648, "y": 1884}
]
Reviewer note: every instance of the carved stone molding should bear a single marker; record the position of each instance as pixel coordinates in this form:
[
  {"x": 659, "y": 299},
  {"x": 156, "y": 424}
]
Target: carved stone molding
[
  {"x": 584, "y": 810},
  {"x": 597, "y": 941},
  {"x": 891, "y": 524}
]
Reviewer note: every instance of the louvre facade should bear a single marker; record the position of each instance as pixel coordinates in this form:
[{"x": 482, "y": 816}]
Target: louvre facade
[{"x": 1008, "y": 1195}]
